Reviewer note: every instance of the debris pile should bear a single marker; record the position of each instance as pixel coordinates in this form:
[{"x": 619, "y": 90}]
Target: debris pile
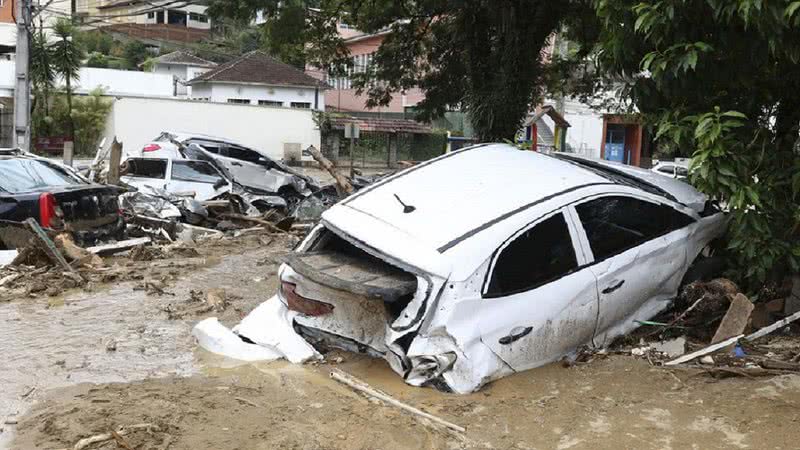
[{"x": 716, "y": 330}]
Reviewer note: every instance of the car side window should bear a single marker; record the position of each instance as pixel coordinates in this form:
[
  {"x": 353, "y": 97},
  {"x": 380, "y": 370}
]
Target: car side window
[
  {"x": 541, "y": 254},
  {"x": 682, "y": 172},
  {"x": 615, "y": 224},
  {"x": 197, "y": 171},
  {"x": 146, "y": 168},
  {"x": 211, "y": 147},
  {"x": 242, "y": 154}
]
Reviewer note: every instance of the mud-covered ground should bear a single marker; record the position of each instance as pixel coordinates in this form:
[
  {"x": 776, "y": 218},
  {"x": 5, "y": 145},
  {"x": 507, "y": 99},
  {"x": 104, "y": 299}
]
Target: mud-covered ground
[{"x": 122, "y": 354}]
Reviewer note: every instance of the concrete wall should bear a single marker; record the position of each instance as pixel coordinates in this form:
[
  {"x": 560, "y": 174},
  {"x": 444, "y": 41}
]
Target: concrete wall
[
  {"x": 585, "y": 134},
  {"x": 114, "y": 82},
  {"x": 182, "y": 72},
  {"x": 136, "y": 121},
  {"x": 222, "y": 92}
]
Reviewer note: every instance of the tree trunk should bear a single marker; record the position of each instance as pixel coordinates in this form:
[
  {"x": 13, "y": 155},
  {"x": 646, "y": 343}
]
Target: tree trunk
[{"x": 69, "y": 108}]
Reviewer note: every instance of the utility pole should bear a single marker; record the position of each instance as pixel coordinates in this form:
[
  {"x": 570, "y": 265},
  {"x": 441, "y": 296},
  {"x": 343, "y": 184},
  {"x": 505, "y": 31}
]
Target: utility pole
[{"x": 22, "y": 90}]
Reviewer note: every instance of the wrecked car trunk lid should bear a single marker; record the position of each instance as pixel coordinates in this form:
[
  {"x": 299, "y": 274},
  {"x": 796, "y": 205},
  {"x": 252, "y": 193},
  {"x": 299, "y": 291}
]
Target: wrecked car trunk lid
[
  {"x": 406, "y": 250},
  {"x": 353, "y": 274}
]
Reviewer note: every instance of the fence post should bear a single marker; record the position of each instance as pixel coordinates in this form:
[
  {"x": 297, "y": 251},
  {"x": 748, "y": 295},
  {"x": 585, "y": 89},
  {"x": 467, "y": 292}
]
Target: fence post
[
  {"x": 69, "y": 150},
  {"x": 334, "y": 151},
  {"x": 392, "y": 157},
  {"x": 113, "y": 164}
]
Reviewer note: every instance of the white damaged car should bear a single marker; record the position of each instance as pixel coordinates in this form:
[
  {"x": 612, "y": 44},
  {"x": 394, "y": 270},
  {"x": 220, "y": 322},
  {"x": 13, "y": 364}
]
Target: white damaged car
[{"x": 492, "y": 260}]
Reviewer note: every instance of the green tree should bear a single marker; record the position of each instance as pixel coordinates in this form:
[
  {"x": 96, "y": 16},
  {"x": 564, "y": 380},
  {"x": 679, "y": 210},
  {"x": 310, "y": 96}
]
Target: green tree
[
  {"x": 42, "y": 73},
  {"x": 482, "y": 56},
  {"x": 719, "y": 81},
  {"x": 135, "y": 53},
  {"x": 66, "y": 61}
]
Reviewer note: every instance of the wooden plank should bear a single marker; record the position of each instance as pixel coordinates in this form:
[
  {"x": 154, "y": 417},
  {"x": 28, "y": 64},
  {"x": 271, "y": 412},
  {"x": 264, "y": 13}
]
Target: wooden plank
[{"x": 703, "y": 351}]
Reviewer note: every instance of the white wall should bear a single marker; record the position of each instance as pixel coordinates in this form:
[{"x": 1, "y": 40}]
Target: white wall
[
  {"x": 188, "y": 8},
  {"x": 114, "y": 82},
  {"x": 7, "y": 74},
  {"x": 8, "y": 34},
  {"x": 586, "y": 128},
  {"x": 183, "y": 72},
  {"x": 221, "y": 92},
  {"x": 135, "y": 121},
  {"x": 125, "y": 82}
]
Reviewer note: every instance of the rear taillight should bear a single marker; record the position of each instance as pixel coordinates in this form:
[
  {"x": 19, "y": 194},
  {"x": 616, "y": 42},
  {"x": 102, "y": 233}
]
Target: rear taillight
[
  {"x": 303, "y": 305},
  {"x": 47, "y": 209},
  {"x": 151, "y": 148}
]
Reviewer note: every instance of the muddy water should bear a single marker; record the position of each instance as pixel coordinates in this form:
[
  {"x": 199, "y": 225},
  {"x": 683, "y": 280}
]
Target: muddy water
[{"x": 48, "y": 343}]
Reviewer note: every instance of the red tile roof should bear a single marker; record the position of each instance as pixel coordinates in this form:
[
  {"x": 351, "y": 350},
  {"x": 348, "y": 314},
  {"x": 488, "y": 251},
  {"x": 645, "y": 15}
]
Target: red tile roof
[
  {"x": 259, "y": 68},
  {"x": 158, "y": 32}
]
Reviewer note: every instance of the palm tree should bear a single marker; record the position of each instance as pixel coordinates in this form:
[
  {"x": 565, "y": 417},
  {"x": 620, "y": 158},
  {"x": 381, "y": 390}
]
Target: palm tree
[
  {"x": 42, "y": 73},
  {"x": 66, "y": 59}
]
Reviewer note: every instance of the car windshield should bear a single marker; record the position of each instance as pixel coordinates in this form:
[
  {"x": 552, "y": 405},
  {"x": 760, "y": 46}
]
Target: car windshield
[{"x": 24, "y": 175}]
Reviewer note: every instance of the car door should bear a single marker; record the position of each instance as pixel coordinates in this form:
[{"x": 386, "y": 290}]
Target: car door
[
  {"x": 247, "y": 166},
  {"x": 538, "y": 302},
  {"x": 151, "y": 172},
  {"x": 198, "y": 179},
  {"x": 638, "y": 259}
]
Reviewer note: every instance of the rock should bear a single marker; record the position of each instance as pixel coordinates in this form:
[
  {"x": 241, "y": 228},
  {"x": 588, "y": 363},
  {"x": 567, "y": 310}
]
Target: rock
[
  {"x": 227, "y": 225},
  {"x": 735, "y": 320},
  {"x": 672, "y": 348},
  {"x": 216, "y": 298},
  {"x": 111, "y": 345},
  {"x": 708, "y": 360}
]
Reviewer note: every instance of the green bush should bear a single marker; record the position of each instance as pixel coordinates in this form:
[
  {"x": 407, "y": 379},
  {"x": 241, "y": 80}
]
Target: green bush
[{"x": 89, "y": 114}]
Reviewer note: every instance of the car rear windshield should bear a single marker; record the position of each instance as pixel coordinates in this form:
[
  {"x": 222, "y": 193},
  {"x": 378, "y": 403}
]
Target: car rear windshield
[
  {"x": 25, "y": 175},
  {"x": 616, "y": 176}
]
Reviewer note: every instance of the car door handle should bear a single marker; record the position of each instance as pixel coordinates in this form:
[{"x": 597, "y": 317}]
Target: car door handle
[
  {"x": 516, "y": 334},
  {"x": 613, "y": 288},
  {"x": 236, "y": 164}
]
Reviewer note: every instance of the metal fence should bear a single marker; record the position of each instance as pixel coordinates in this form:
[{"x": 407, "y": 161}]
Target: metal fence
[{"x": 373, "y": 149}]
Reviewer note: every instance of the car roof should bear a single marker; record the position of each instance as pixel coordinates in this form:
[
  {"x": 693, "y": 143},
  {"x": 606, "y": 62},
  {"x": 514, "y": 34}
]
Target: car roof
[
  {"x": 460, "y": 192},
  {"x": 183, "y": 136}
]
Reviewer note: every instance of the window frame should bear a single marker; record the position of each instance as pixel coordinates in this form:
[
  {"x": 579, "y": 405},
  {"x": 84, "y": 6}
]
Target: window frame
[
  {"x": 584, "y": 238},
  {"x": 580, "y": 257},
  {"x": 293, "y": 105},
  {"x": 172, "y": 176}
]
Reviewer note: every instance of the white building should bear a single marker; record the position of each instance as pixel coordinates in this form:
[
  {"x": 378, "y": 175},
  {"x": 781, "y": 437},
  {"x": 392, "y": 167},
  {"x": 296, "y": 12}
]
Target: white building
[
  {"x": 258, "y": 79},
  {"x": 182, "y": 66}
]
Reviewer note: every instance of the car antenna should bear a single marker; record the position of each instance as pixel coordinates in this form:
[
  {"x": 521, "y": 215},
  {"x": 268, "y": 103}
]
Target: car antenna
[{"x": 406, "y": 208}]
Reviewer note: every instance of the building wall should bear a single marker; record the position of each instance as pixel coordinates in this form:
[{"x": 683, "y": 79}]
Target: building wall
[
  {"x": 585, "y": 134},
  {"x": 343, "y": 97},
  {"x": 182, "y": 72},
  {"x": 8, "y": 30},
  {"x": 7, "y": 11},
  {"x": 136, "y": 121},
  {"x": 224, "y": 92}
]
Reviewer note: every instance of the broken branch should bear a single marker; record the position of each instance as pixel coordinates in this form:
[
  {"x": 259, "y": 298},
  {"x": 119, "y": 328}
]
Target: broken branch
[
  {"x": 364, "y": 388},
  {"x": 767, "y": 330},
  {"x": 703, "y": 351},
  {"x": 121, "y": 431},
  {"x": 343, "y": 186}
]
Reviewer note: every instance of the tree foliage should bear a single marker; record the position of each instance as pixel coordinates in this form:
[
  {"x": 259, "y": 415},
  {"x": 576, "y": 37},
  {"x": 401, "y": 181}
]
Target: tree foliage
[
  {"x": 481, "y": 56},
  {"x": 719, "y": 81},
  {"x": 66, "y": 57}
]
